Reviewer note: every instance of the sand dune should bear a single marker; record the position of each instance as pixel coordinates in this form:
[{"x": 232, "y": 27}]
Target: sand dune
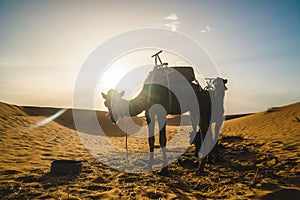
[
  {"x": 260, "y": 152},
  {"x": 276, "y": 127},
  {"x": 67, "y": 119}
]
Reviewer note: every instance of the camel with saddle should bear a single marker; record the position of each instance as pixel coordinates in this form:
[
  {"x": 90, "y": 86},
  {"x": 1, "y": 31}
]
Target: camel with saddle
[{"x": 174, "y": 91}]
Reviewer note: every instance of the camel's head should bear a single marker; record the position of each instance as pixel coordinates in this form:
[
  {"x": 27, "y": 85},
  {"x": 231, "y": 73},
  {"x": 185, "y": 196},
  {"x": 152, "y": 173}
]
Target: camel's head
[
  {"x": 112, "y": 101},
  {"x": 220, "y": 83}
]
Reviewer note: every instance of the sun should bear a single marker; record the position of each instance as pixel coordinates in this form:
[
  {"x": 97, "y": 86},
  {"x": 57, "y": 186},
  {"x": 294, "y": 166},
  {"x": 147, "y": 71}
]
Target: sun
[{"x": 113, "y": 75}]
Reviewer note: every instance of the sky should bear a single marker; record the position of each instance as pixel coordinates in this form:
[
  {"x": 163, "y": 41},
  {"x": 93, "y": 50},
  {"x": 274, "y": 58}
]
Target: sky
[{"x": 45, "y": 44}]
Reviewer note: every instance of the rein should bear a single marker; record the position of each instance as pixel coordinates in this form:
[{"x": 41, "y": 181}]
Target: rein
[{"x": 126, "y": 142}]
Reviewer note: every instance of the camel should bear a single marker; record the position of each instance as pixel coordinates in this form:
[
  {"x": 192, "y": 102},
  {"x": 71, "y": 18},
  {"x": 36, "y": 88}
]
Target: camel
[
  {"x": 156, "y": 99},
  {"x": 214, "y": 94}
]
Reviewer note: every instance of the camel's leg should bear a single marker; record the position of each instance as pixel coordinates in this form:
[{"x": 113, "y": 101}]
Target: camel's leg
[
  {"x": 217, "y": 131},
  {"x": 194, "y": 120},
  {"x": 163, "y": 141},
  {"x": 194, "y": 138},
  {"x": 150, "y": 122},
  {"x": 201, "y": 166},
  {"x": 211, "y": 154},
  {"x": 203, "y": 129}
]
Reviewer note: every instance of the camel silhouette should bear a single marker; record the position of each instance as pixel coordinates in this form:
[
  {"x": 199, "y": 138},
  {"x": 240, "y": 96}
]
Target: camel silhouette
[
  {"x": 213, "y": 95},
  {"x": 170, "y": 90}
]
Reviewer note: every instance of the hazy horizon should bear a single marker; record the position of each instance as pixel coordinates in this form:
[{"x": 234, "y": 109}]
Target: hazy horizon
[{"x": 254, "y": 44}]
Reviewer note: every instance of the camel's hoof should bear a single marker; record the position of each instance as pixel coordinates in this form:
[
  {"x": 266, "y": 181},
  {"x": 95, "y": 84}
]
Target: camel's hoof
[
  {"x": 187, "y": 163},
  {"x": 200, "y": 171},
  {"x": 202, "y": 174},
  {"x": 150, "y": 169},
  {"x": 210, "y": 161},
  {"x": 164, "y": 171}
]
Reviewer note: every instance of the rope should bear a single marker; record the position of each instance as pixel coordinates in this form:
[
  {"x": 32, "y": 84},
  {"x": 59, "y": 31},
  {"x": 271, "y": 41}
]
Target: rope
[{"x": 126, "y": 143}]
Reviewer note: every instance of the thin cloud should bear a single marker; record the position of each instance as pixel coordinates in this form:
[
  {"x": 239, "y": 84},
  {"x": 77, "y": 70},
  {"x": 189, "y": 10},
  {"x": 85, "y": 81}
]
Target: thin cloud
[
  {"x": 206, "y": 29},
  {"x": 172, "y": 16},
  {"x": 172, "y": 23}
]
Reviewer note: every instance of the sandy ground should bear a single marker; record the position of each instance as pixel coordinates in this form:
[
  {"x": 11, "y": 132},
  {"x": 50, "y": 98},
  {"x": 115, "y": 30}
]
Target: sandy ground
[{"x": 260, "y": 151}]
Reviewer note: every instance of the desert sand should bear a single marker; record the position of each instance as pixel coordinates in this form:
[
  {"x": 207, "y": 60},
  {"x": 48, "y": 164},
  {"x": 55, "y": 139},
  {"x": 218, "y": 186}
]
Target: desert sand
[{"x": 260, "y": 152}]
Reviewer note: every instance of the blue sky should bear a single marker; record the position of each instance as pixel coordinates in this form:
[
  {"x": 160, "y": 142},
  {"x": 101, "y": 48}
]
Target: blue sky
[{"x": 255, "y": 45}]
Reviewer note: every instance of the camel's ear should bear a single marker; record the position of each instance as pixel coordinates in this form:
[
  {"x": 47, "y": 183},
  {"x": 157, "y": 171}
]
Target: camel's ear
[
  {"x": 103, "y": 95},
  {"x": 122, "y": 93},
  {"x": 225, "y": 81}
]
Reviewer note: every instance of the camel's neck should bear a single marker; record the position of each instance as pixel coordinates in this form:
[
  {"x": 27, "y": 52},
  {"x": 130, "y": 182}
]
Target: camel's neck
[
  {"x": 134, "y": 106},
  {"x": 220, "y": 93}
]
